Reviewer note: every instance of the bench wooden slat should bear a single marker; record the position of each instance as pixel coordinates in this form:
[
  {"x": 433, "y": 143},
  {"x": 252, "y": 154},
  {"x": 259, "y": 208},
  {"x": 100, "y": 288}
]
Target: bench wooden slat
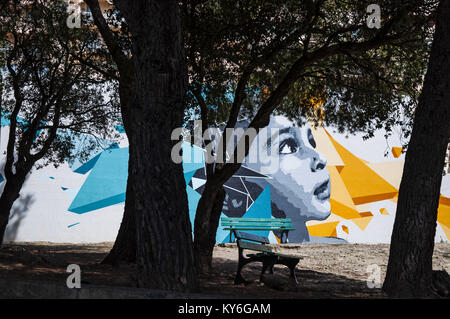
[
  {"x": 257, "y": 227},
  {"x": 255, "y": 219},
  {"x": 257, "y": 247},
  {"x": 247, "y": 236},
  {"x": 255, "y": 222},
  {"x": 272, "y": 223},
  {"x": 233, "y": 224}
]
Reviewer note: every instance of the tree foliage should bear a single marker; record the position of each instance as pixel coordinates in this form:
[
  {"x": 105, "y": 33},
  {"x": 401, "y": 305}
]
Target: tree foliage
[
  {"x": 50, "y": 99},
  {"x": 240, "y": 51},
  {"x": 304, "y": 59}
]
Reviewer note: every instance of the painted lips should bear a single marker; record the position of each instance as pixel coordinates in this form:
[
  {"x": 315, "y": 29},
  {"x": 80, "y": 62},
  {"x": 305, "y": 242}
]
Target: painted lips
[{"x": 322, "y": 192}]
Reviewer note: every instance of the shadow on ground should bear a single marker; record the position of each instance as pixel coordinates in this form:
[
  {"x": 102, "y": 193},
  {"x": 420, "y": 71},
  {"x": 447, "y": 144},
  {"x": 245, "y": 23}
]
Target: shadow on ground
[
  {"x": 311, "y": 284},
  {"x": 48, "y": 262}
]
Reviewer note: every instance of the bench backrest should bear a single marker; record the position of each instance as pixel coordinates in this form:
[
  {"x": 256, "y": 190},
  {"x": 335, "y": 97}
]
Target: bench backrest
[
  {"x": 240, "y": 235},
  {"x": 252, "y": 241},
  {"x": 256, "y": 222}
]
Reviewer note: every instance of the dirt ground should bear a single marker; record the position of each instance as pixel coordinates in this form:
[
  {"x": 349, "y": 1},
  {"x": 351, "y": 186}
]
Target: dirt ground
[{"x": 326, "y": 271}]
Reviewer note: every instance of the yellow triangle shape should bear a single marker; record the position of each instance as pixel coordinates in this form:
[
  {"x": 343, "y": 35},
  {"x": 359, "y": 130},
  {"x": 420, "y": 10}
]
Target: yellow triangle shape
[
  {"x": 323, "y": 229},
  {"x": 362, "y": 183},
  {"x": 340, "y": 200},
  {"x": 362, "y": 222},
  {"x": 443, "y": 216}
]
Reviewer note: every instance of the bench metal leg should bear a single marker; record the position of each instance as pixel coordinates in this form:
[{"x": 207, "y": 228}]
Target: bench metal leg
[
  {"x": 241, "y": 263},
  {"x": 291, "y": 265},
  {"x": 267, "y": 263},
  {"x": 294, "y": 278},
  {"x": 239, "y": 279}
]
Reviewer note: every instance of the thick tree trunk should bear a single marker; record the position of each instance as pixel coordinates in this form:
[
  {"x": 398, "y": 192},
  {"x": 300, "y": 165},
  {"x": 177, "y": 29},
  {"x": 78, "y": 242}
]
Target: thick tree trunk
[
  {"x": 409, "y": 272},
  {"x": 9, "y": 195},
  {"x": 124, "y": 249},
  {"x": 165, "y": 258},
  {"x": 205, "y": 226}
]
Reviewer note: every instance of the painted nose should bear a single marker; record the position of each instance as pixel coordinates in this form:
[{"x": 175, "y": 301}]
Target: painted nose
[{"x": 318, "y": 162}]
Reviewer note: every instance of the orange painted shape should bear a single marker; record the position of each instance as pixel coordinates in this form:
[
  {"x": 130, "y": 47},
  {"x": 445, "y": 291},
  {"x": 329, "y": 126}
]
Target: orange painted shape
[
  {"x": 363, "y": 184},
  {"x": 345, "y": 229},
  {"x": 362, "y": 222},
  {"x": 444, "y": 200},
  {"x": 365, "y": 214},
  {"x": 339, "y": 168},
  {"x": 383, "y": 211},
  {"x": 397, "y": 151},
  {"x": 340, "y": 200},
  {"x": 323, "y": 229},
  {"x": 443, "y": 216},
  {"x": 373, "y": 198}
]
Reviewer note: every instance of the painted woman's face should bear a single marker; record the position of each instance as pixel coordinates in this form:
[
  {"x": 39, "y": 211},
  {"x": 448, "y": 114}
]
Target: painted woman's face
[{"x": 297, "y": 170}]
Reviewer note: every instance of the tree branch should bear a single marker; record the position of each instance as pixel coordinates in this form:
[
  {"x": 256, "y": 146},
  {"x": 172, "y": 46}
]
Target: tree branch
[
  {"x": 262, "y": 117},
  {"x": 122, "y": 61}
]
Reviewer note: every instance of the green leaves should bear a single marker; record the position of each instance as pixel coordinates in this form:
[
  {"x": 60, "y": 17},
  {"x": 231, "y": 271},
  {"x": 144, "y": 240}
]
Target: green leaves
[
  {"x": 362, "y": 90},
  {"x": 47, "y": 87}
]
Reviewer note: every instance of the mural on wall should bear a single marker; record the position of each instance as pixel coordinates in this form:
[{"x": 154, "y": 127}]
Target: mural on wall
[
  {"x": 334, "y": 189},
  {"x": 330, "y": 194}
]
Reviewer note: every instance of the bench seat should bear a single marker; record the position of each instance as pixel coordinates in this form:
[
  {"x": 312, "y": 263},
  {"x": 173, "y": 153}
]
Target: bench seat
[{"x": 266, "y": 255}]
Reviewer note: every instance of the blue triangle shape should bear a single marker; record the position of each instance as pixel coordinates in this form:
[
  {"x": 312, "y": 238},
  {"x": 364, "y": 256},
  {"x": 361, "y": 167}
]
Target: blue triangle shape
[
  {"x": 105, "y": 185},
  {"x": 193, "y": 199},
  {"x": 188, "y": 176},
  {"x": 192, "y": 157},
  {"x": 261, "y": 208},
  {"x": 222, "y": 236}
]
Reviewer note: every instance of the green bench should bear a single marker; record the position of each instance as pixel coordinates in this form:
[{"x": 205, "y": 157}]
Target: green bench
[
  {"x": 284, "y": 225},
  {"x": 266, "y": 255}
]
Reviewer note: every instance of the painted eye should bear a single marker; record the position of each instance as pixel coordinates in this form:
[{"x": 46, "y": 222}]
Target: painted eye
[{"x": 288, "y": 146}]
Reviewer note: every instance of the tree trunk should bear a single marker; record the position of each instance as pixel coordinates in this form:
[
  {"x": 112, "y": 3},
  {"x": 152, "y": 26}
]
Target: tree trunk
[
  {"x": 165, "y": 257},
  {"x": 9, "y": 195},
  {"x": 205, "y": 226},
  {"x": 124, "y": 249},
  {"x": 409, "y": 272}
]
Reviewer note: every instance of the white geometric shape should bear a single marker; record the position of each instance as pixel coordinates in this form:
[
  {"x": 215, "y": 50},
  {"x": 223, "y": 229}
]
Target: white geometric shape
[{"x": 197, "y": 182}]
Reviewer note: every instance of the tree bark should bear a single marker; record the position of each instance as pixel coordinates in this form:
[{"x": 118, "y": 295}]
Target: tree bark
[
  {"x": 409, "y": 272},
  {"x": 165, "y": 257},
  {"x": 9, "y": 195},
  {"x": 124, "y": 249},
  {"x": 206, "y": 222}
]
